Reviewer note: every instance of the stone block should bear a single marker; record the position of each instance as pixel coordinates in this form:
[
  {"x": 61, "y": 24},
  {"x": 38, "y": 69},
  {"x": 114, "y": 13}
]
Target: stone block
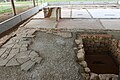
[
  {"x": 2, "y": 50},
  {"x": 3, "y": 62},
  {"x": 83, "y": 64},
  {"x": 12, "y": 53},
  {"x": 87, "y": 70},
  {"x": 80, "y": 56},
  {"x": 23, "y": 60},
  {"x": 27, "y": 65},
  {"x": 94, "y": 76},
  {"x": 12, "y": 62},
  {"x": 33, "y": 55}
]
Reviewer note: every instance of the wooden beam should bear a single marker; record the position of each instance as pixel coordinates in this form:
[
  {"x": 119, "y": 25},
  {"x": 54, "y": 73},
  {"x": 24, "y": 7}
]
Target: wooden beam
[{"x": 13, "y": 7}]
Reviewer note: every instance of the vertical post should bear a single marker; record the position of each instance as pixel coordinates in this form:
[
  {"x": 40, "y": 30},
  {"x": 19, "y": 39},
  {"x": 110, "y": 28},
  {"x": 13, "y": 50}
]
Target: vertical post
[
  {"x": 34, "y": 3},
  {"x": 13, "y": 7}
]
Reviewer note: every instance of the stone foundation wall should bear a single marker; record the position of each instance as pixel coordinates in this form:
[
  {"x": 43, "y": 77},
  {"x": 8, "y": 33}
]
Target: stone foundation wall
[{"x": 95, "y": 45}]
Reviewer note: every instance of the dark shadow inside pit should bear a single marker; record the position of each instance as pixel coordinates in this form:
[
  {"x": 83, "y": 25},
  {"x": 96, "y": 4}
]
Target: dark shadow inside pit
[{"x": 98, "y": 54}]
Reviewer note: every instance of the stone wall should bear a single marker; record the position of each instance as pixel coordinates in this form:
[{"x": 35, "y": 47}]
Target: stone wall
[{"x": 98, "y": 48}]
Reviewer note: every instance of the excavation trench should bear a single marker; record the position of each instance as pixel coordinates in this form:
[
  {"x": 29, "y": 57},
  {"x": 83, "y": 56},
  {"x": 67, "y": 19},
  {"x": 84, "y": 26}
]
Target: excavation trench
[{"x": 99, "y": 53}]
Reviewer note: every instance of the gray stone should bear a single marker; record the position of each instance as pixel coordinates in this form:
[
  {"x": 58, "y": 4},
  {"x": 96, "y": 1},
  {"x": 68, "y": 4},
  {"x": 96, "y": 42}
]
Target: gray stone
[
  {"x": 6, "y": 53},
  {"x": 27, "y": 65},
  {"x": 94, "y": 76},
  {"x": 12, "y": 62},
  {"x": 3, "y": 62},
  {"x": 83, "y": 64},
  {"x": 33, "y": 55},
  {"x": 37, "y": 59},
  {"x": 23, "y": 60},
  {"x": 77, "y": 41},
  {"x": 24, "y": 54},
  {"x": 80, "y": 56},
  {"x": 12, "y": 53},
  {"x": 2, "y": 50},
  {"x": 87, "y": 70}
]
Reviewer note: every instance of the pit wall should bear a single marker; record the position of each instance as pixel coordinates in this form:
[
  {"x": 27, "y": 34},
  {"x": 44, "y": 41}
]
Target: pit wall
[
  {"x": 10, "y": 23},
  {"x": 101, "y": 40}
]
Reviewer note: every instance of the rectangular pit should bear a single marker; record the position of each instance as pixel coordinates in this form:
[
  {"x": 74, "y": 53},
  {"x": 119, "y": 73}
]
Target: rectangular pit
[{"x": 99, "y": 53}]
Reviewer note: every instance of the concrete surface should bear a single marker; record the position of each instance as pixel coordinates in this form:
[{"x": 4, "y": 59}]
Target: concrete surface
[
  {"x": 41, "y": 24},
  {"x": 112, "y": 24},
  {"x": 39, "y": 15},
  {"x": 82, "y": 13},
  {"x": 80, "y": 23},
  {"x": 65, "y": 13},
  {"x": 105, "y": 13},
  {"x": 8, "y": 24}
]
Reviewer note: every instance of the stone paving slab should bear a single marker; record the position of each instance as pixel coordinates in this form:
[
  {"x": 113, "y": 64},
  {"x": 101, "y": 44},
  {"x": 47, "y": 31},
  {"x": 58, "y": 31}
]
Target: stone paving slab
[
  {"x": 82, "y": 13},
  {"x": 112, "y": 24},
  {"x": 80, "y": 23},
  {"x": 39, "y": 15},
  {"x": 41, "y": 24},
  {"x": 105, "y": 13},
  {"x": 65, "y": 13}
]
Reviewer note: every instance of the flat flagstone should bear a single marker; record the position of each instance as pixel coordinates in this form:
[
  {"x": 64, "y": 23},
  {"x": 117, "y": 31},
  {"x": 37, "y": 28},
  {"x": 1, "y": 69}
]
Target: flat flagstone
[
  {"x": 112, "y": 24},
  {"x": 65, "y": 13},
  {"x": 41, "y": 24},
  {"x": 80, "y": 23},
  {"x": 105, "y": 13},
  {"x": 82, "y": 13}
]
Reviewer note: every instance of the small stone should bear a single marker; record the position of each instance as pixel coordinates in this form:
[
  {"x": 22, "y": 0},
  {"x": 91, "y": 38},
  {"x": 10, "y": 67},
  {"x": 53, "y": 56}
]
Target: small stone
[
  {"x": 80, "y": 46},
  {"x": 81, "y": 51},
  {"x": 22, "y": 49},
  {"x": 85, "y": 76},
  {"x": 37, "y": 60},
  {"x": 23, "y": 60},
  {"x": 87, "y": 70},
  {"x": 80, "y": 56},
  {"x": 94, "y": 76},
  {"x": 33, "y": 55},
  {"x": 83, "y": 64},
  {"x": 77, "y": 41},
  {"x": 27, "y": 65},
  {"x": 12, "y": 62}
]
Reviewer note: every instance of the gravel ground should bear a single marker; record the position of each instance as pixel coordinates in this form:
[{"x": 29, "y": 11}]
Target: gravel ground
[{"x": 59, "y": 61}]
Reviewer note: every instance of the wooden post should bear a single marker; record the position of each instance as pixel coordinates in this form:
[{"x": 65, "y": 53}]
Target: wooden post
[
  {"x": 34, "y": 3},
  {"x": 13, "y": 7}
]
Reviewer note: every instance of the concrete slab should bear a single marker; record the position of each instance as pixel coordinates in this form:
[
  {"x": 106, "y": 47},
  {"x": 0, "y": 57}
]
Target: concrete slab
[
  {"x": 41, "y": 24},
  {"x": 81, "y": 2},
  {"x": 82, "y": 13},
  {"x": 39, "y": 15},
  {"x": 105, "y": 13},
  {"x": 112, "y": 24},
  {"x": 9, "y": 23},
  {"x": 29, "y": 13},
  {"x": 65, "y": 13},
  {"x": 80, "y": 23}
]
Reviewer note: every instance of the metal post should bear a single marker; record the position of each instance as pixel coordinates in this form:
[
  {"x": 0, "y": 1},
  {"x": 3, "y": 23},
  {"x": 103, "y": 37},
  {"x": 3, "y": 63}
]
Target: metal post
[
  {"x": 13, "y": 7},
  {"x": 34, "y": 3}
]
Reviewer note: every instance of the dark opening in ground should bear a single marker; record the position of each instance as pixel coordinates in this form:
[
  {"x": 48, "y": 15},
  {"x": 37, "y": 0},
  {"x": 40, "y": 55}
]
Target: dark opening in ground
[{"x": 98, "y": 54}]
